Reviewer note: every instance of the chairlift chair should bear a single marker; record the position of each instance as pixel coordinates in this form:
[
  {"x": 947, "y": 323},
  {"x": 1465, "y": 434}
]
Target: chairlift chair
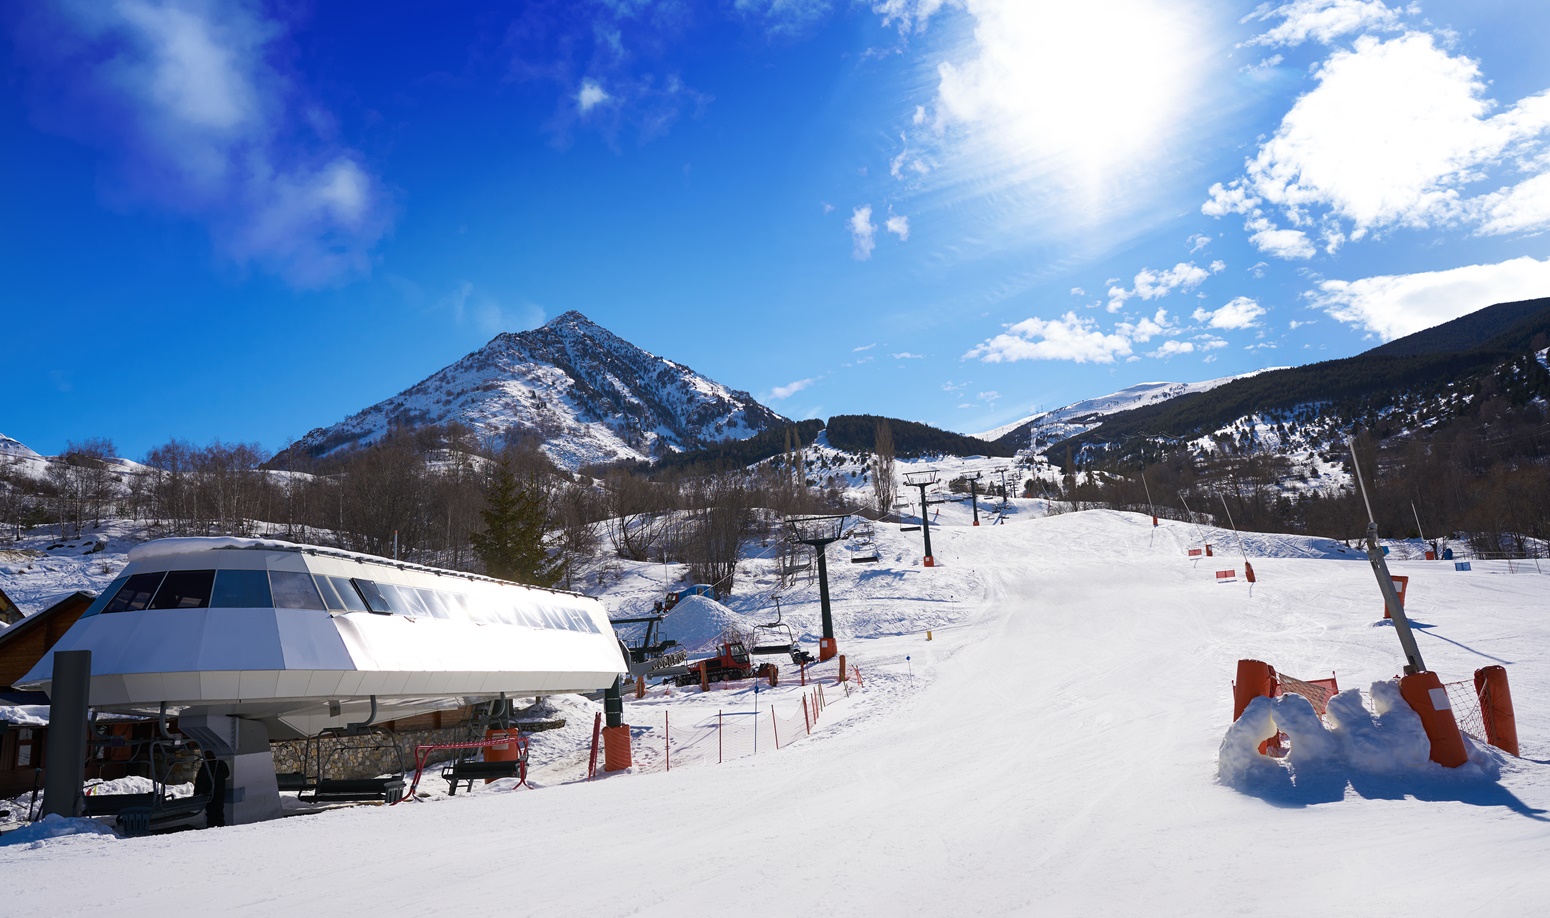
[
  {"x": 781, "y": 639},
  {"x": 160, "y": 758},
  {"x": 322, "y": 788}
]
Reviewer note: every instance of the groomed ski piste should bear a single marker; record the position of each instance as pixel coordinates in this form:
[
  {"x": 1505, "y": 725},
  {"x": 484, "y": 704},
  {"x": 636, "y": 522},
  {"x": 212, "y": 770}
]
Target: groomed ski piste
[{"x": 1053, "y": 749}]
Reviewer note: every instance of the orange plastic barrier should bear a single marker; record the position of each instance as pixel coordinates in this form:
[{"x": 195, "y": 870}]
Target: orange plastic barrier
[
  {"x": 1501, "y": 724},
  {"x": 1227, "y": 576},
  {"x": 828, "y": 649},
  {"x": 1248, "y": 572},
  {"x": 1195, "y": 552},
  {"x": 842, "y": 669},
  {"x": 1425, "y": 694},
  {"x": 1208, "y": 550},
  {"x": 616, "y": 748},
  {"x": 1255, "y": 679},
  {"x": 1401, "y": 584}
]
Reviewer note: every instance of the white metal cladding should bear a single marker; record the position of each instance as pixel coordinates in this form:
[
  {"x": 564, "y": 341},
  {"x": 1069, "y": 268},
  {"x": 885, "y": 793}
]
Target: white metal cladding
[{"x": 453, "y": 636}]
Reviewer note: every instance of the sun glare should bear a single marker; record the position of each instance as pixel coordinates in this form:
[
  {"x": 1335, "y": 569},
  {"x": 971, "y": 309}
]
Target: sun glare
[{"x": 1096, "y": 88}]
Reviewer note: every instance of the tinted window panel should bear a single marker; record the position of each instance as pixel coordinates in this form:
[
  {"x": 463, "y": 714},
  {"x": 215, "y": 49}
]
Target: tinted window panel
[
  {"x": 370, "y": 592},
  {"x": 347, "y": 595},
  {"x": 184, "y": 590},
  {"x": 432, "y": 600},
  {"x": 105, "y": 597},
  {"x": 295, "y": 590},
  {"x": 394, "y": 600},
  {"x": 330, "y": 595},
  {"x": 135, "y": 594},
  {"x": 241, "y": 590}
]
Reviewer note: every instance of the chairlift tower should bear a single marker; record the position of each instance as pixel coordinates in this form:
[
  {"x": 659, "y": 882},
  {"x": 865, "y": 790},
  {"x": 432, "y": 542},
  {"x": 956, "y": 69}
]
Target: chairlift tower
[
  {"x": 923, "y": 480},
  {"x": 819, "y": 531},
  {"x": 974, "y": 494}
]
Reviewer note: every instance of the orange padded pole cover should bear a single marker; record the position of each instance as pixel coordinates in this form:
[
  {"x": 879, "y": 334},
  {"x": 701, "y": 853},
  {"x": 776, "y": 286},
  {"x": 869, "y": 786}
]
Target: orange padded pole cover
[
  {"x": 827, "y": 649},
  {"x": 616, "y": 748},
  {"x": 1208, "y": 550},
  {"x": 1255, "y": 679},
  {"x": 842, "y": 668},
  {"x": 1248, "y": 572},
  {"x": 1425, "y": 694},
  {"x": 1501, "y": 725}
]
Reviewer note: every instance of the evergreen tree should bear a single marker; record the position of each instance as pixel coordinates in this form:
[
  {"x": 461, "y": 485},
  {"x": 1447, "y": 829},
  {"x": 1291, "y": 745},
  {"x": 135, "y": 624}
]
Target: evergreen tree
[{"x": 512, "y": 545}]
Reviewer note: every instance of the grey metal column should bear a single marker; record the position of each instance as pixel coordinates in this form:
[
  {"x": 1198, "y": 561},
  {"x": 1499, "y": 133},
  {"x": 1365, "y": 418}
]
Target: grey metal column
[{"x": 69, "y": 696}]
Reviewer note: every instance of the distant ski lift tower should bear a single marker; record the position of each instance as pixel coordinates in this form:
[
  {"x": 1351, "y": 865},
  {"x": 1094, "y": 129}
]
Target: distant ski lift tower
[
  {"x": 819, "y": 531},
  {"x": 974, "y": 495},
  {"x": 923, "y": 480}
]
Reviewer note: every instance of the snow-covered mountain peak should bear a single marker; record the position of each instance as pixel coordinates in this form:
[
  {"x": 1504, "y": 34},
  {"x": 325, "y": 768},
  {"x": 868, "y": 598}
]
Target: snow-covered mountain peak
[{"x": 586, "y": 394}]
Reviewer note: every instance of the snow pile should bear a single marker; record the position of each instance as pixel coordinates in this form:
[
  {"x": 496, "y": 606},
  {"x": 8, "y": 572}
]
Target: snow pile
[
  {"x": 38, "y": 834},
  {"x": 1349, "y": 740},
  {"x": 24, "y": 715},
  {"x": 699, "y": 621}
]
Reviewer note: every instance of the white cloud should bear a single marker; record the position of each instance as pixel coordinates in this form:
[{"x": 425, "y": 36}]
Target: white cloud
[
  {"x": 906, "y": 355},
  {"x": 1280, "y": 243},
  {"x": 1152, "y": 285},
  {"x": 899, "y": 226},
  {"x": 919, "y": 117},
  {"x": 790, "y": 389},
  {"x": 207, "y": 126},
  {"x": 1198, "y": 242},
  {"x": 785, "y": 18},
  {"x": 1078, "y": 291},
  {"x": 1146, "y": 329},
  {"x": 1067, "y": 338},
  {"x": 1394, "y": 134},
  {"x": 1393, "y": 306},
  {"x": 1172, "y": 348},
  {"x": 1240, "y": 312},
  {"x": 1322, "y": 21},
  {"x": 590, "y": 96},
  {"x": 864, "y": 347},
  {"x": 863, "y": 233},
  {"x": 990, "y": 398},
  {"x": 1524, "y": 207}
]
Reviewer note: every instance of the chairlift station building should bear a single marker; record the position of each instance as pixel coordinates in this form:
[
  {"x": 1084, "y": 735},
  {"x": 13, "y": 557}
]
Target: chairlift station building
[{"x": 247, "y": 640}]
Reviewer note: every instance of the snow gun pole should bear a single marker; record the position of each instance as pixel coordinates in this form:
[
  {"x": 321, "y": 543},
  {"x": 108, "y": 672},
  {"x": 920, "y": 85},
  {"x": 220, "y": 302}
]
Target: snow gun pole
[
  {"x": 1418, "y": 530},
  {"x": 1198, "y": 533},
  {"x": 1380, "y": 568},
  {"x": 1149, "y": 505},
  {"x": 1234, "y": 526}
]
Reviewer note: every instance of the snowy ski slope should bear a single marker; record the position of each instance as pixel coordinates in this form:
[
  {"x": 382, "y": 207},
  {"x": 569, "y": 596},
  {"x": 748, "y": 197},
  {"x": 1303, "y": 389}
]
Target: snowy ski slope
[{"x": 1052, "y": 751}]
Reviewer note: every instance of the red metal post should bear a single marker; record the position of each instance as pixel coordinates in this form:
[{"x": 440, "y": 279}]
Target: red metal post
[{"x": 597, "y": 729}]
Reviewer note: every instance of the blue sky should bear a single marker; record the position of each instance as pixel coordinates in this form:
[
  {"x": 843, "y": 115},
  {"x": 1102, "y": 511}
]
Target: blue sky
[{"x": 243, "y": 220}]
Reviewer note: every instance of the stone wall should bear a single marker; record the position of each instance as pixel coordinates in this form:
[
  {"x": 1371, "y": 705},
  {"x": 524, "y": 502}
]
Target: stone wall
[{"x": 356, "y": 757}]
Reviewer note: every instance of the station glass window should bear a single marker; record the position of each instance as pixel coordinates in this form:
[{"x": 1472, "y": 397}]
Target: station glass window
[
  {"x": 348, "y": 595},
  {"x": 236, "y": 589},
  {"x": 294, "y": 590},
  {"x": 25, "y": 741},
  {"x": 432, "y": 601},
  {"x": 184, "y": 590},
  {"x": 330, "y": 595},
  {"x": 375, "y": 601},
  {"x": 395, "y": 599},
  {"x": 105, "y": 597},
  {"x": 135, "y": 594}
]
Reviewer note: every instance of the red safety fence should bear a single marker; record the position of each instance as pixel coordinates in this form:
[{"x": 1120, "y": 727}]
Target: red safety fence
[{"x": 699, "y": 739}]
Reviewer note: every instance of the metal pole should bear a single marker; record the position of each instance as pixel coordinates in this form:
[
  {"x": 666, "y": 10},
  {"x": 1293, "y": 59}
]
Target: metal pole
[
  {"x": 1234, "y": 528},
  {"x": 1418, "y": 530},
  {"x": 823, "y": 591},
  {"x": 1380, "y": 569},
  {"x": 69, "y": 695},
  {"x": 1149, "y": 505},
  {"x": 925, "y": 521},
  {"x": 974, "y": 498}
]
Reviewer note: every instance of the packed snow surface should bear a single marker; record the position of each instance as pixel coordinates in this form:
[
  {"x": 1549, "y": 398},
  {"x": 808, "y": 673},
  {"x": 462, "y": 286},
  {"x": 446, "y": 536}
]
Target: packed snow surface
[{"x": 1061, "y": 746}]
